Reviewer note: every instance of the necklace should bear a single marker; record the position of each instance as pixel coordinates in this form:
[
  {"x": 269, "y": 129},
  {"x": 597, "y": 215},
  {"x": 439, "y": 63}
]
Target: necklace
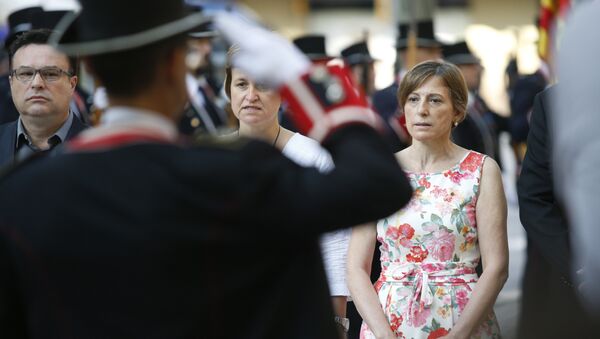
[{"x": 277, "y": 137}]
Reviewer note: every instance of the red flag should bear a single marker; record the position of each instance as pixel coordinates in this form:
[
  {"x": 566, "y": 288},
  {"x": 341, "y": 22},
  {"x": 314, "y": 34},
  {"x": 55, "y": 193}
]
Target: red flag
[{"x": 552, "y": 17}]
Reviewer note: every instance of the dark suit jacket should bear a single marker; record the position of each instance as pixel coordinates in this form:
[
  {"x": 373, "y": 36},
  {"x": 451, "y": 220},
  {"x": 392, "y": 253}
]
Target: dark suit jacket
[
  {"x": 167, "y": 241},
  {"x": 8, "y": 139},
  {"x": 540, "y": 214},
  {"x": 8, "y": 111},
  {"x": 550, "y": 308}
]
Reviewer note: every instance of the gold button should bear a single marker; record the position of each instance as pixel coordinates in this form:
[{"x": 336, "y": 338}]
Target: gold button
[{"x": 195, "y": 122}]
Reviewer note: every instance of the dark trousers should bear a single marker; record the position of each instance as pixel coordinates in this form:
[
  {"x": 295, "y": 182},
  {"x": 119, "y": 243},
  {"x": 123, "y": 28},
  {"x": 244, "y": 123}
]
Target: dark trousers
[{"x": 550, "y": 307}]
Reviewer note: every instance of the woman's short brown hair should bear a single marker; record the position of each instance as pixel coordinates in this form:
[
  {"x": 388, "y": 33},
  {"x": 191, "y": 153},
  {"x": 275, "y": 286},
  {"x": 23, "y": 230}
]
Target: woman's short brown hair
[{"x": 449, "y": 73}]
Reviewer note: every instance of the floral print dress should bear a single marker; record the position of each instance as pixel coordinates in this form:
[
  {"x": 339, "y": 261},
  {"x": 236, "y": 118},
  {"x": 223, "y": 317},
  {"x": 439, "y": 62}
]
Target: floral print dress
[{"x": 429, "y": 251}]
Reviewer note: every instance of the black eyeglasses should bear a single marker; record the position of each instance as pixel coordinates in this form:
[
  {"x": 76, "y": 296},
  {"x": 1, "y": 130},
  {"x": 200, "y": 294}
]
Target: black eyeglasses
[{"x": 49, "y": 74}]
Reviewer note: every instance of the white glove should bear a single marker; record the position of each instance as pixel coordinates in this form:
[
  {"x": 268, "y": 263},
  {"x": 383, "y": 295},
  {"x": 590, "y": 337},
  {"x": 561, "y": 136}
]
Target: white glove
[
  {"x": 100, "y": 98},
  {"x": 265, "y": 56}
]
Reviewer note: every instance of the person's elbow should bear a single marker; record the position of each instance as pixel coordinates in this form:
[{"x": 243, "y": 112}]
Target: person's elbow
[
  {"x": 503, "y": 274},
  {"x": 358, "y": 269},
  {"x": 498, "y": 270},
  {"x": 355, "y": 277}
]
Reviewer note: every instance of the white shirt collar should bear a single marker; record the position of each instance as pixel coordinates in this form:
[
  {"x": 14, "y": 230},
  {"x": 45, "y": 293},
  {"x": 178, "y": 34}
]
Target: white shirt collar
[{"x": 118, "y": 119}]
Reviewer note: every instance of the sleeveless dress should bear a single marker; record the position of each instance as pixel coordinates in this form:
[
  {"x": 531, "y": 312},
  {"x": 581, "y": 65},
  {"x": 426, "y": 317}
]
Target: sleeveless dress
[{"x": 429, "y": 251}]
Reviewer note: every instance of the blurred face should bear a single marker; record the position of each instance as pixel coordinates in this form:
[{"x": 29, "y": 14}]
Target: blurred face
[
  {"x": 472, "y": 74},
  {"x": 429, "y": 111},
  {"x": 41, "y": 97},
  {"x": 198, "y": 53},
  {"x": 253, "y": 104}
]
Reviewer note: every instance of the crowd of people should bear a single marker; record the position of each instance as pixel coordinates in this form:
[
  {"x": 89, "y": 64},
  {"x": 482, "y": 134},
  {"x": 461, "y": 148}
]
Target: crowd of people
[{"x": 293, "y": 201}]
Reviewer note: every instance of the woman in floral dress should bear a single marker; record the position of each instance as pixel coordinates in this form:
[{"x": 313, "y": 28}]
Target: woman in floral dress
[{"x": 428, "y": 286}]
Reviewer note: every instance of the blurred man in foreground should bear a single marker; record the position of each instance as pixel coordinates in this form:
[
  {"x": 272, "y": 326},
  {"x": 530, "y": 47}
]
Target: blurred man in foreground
[{"x": 170, "y": 239}]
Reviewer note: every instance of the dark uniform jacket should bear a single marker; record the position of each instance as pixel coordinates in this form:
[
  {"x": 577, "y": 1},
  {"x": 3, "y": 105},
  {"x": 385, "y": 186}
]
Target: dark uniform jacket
[
  {"x": 385, "y": 103},
  {"x": 202, "y": 115},
  {"x": 8, "y": 139},
  {"x": 521, "y": 104},
  {"x": 161, "y": 240},
  {"x": 480, "y": 129},
  {"x": 472, "y": 134}
]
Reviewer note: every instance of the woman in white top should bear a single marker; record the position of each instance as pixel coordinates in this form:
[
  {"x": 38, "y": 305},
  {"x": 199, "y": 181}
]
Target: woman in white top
[{"x": 257, "y": 107}]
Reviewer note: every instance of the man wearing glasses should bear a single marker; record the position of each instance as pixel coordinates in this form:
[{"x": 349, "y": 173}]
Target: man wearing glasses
[{"x": 42, "y": 82}]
